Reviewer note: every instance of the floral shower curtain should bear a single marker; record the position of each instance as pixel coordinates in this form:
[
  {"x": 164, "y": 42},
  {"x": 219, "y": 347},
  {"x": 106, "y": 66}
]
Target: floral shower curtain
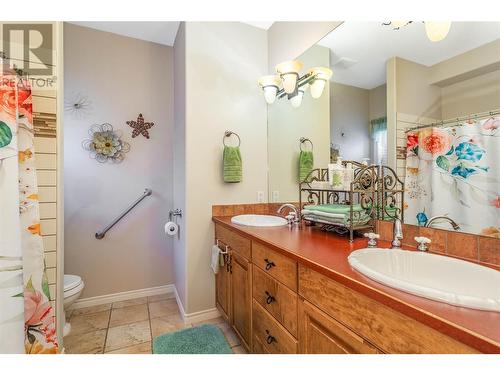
[
  {"x": 27, "y": 322},
  {"x": 455, "y": 171}
]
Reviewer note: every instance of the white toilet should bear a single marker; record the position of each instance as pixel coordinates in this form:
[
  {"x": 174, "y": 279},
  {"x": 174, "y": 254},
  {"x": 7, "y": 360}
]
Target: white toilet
[{"x": 73, "y": 287}]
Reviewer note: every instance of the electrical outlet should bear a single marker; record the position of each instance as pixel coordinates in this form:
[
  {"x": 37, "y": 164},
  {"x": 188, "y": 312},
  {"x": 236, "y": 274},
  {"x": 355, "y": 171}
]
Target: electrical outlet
[
  {"x": 276, "y": 196},
  {"x": 260, "y": 197}
]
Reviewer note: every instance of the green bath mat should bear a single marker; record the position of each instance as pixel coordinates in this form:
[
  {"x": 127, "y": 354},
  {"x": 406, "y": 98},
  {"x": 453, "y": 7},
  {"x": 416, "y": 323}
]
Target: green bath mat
[{"x": 205, "y": 339}]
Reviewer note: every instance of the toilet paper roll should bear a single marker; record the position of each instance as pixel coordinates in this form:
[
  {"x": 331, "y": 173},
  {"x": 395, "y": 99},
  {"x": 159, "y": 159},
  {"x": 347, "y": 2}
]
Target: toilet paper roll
[{"x": 171, "y": 228}]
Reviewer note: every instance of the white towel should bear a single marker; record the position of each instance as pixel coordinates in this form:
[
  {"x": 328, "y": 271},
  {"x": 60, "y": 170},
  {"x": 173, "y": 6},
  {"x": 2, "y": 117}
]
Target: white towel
[{"x": 214, "y": 262}]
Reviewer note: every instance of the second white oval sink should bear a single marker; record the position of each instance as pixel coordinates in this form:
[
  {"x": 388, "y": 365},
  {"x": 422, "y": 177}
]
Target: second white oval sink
[
  {"x": 259, "y": 220},
  {"x": 436, "y": 277}
]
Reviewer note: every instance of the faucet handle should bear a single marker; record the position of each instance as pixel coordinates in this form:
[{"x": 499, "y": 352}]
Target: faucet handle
[
  {"x": 422, "y": 243},
  {"x": 373, "y": 237},
  {"x": 291, "y": 217}
]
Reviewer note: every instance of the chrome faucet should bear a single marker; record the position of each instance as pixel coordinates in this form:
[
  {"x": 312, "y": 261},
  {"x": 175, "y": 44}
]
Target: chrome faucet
[
  {"x": 445, "y": 218},
  {"x": 293, "y": 216},
  {"x": 398, "y": 234}
]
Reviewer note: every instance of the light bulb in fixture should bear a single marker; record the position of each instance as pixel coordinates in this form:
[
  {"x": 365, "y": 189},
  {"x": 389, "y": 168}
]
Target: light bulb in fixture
[
  {"x": 317, "y": 87},
  {"x": 270, "y": 85},
  {"x": 289, "y": 73},
  {"x": 437, "y": 31},
  {"x": 321, "y": 77},
  {"x": 270, "y": 94},
  {"x": 296, "y": 100}
]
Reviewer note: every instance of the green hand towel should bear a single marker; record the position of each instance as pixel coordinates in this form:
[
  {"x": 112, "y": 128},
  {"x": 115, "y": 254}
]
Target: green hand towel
[
  {"x": 334, "y": 208},
  {"x": 232, "y": 164},
  {"x": 306, "y": 163}
]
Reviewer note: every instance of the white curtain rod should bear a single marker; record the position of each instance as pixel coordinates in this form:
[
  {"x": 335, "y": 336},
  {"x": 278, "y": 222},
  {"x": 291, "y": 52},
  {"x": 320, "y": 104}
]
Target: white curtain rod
[{"x": 455, "y": 120}]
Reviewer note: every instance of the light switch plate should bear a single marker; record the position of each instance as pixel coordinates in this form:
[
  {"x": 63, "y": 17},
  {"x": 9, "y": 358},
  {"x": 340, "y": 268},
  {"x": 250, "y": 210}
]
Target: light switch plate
[
  {"x": 276, "y": 196},
  {"x": 260, "y": 197}
]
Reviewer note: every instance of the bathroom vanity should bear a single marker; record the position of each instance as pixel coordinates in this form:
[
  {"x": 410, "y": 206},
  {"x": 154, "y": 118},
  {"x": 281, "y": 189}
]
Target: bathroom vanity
[{"x": 291, "y": 290}]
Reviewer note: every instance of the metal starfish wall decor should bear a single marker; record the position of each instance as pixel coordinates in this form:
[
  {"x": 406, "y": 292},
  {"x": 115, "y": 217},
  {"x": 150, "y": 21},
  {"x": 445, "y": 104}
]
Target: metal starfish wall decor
[{"x": 140, "y": 127}]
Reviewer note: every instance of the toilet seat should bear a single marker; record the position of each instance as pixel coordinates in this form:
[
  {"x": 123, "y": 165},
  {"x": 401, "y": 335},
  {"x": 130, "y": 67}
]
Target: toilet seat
[{"x": 73, "y": 284}]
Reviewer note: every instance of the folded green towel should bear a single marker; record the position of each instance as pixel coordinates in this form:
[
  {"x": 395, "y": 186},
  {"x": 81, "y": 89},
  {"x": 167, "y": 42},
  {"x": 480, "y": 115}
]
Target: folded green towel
[
  {"x": 232, "y": 164},
  {"x": 335, "y": 208},
  {"x": 306, "y": 164},
  {"x": 339, "y": 221}
]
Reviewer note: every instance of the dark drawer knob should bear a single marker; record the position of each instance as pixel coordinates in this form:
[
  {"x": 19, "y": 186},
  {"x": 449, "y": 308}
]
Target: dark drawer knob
[
  {"x": 270, "y": 339},
  {"x": 269, "y": 264},
  {"x": 269, "y": 299}
]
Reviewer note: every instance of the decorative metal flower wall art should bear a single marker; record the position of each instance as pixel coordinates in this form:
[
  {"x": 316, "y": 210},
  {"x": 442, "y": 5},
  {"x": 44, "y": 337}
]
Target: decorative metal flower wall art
[
  {"x": 105, "y": 144},
  {"x": 78, "y": 105},
  {"x": 140, "y": 127}
]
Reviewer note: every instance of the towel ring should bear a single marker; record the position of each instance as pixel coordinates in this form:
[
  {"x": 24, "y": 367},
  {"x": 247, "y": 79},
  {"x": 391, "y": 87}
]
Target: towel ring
[
  {"x": 304, "y": 140},
  {"x": 229, "y": 133}
]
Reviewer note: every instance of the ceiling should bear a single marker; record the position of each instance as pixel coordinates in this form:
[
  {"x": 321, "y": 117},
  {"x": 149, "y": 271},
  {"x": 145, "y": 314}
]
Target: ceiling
[
  {"x": 359, "y": 50},
  {"x": 261, "y": 25},
  {"x": 157, "y": 32}
]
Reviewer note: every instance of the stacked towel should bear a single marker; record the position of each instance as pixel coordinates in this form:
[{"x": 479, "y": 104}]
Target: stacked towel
[
  {"x": 338, "y": 214},
  {"x": 232, "y": 164},
  {"x": 306, "y": 164}
]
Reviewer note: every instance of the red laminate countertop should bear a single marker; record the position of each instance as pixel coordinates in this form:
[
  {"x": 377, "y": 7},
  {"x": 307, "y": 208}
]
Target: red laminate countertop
[{"x": 327, "y": 253}]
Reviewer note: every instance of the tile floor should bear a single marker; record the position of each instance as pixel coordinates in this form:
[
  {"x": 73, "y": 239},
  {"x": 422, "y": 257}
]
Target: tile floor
[{"x": 128, "y": 327}]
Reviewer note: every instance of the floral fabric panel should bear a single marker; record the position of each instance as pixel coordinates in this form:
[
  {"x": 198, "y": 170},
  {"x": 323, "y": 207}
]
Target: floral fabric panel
[
  {"x": 29, "y": 320},
  {"x": 455, "y": 172},
  {"x": 11, "y": 269}
]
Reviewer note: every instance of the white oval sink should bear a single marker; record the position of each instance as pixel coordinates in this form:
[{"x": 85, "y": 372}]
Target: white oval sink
[
  {"x": 436, "y": 277},
  {"x": 259, "y": 220}
]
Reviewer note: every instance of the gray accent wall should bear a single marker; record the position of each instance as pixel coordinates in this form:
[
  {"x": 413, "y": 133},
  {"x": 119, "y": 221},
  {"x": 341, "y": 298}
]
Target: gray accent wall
[{"x": 122, "y": 77}]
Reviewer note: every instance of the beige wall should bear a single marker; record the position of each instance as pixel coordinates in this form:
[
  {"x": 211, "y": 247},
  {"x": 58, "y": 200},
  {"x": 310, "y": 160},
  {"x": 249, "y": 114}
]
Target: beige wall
[
  {"x": 378, "y": 102},
  {"x": 478, "y": 61},
  {"x": 287, "y": 40},
  {"x": 286, "y": 125},
  {"x": 179, "y": 158},
  {"x": 122, "y": 77},
  {"x": 223, "y": 62},
  {"x": 351, "y": 110},
  {"x": 350, "y": 117},
  {"x": 478, "y": 94},
  {"x": 415, "y": 95}
]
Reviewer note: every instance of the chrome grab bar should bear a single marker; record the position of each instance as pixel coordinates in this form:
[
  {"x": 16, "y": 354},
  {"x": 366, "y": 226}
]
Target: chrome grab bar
[{"x": 100, "y": 235}]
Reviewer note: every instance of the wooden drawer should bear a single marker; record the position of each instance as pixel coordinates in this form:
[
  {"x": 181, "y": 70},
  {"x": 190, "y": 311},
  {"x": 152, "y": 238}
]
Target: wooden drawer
[
  {"x": 259, "y": 347},
  {"x": 277, "y": 299},
  {"x": 270, "y": 334},
  {"x": 388, "y": 329},
  {"x": 321, "y": 334},
  {"x": 238, "y": 243},
  {"x": 277, "y": 265}
]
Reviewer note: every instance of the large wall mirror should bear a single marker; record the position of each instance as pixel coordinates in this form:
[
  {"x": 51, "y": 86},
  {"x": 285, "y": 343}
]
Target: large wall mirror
[{"x": 425, "y": 103}]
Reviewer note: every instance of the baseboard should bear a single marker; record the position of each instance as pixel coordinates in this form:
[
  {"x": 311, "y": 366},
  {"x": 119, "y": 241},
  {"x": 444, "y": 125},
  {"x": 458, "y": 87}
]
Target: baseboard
[
  {"x": 195, "y": 317},
  {"x": 123, "y": 296}
]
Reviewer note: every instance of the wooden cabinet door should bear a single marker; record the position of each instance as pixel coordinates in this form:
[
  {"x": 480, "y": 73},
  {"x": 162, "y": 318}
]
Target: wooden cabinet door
[
  {"x": 241, "y": 297},
  {"x": 222, "y": 289},
  {"x": 321, "y": 334}
]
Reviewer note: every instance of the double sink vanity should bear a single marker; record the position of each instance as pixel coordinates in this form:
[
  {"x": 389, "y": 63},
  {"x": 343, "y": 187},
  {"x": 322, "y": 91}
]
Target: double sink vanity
[{"x": 297, "y": 289}]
